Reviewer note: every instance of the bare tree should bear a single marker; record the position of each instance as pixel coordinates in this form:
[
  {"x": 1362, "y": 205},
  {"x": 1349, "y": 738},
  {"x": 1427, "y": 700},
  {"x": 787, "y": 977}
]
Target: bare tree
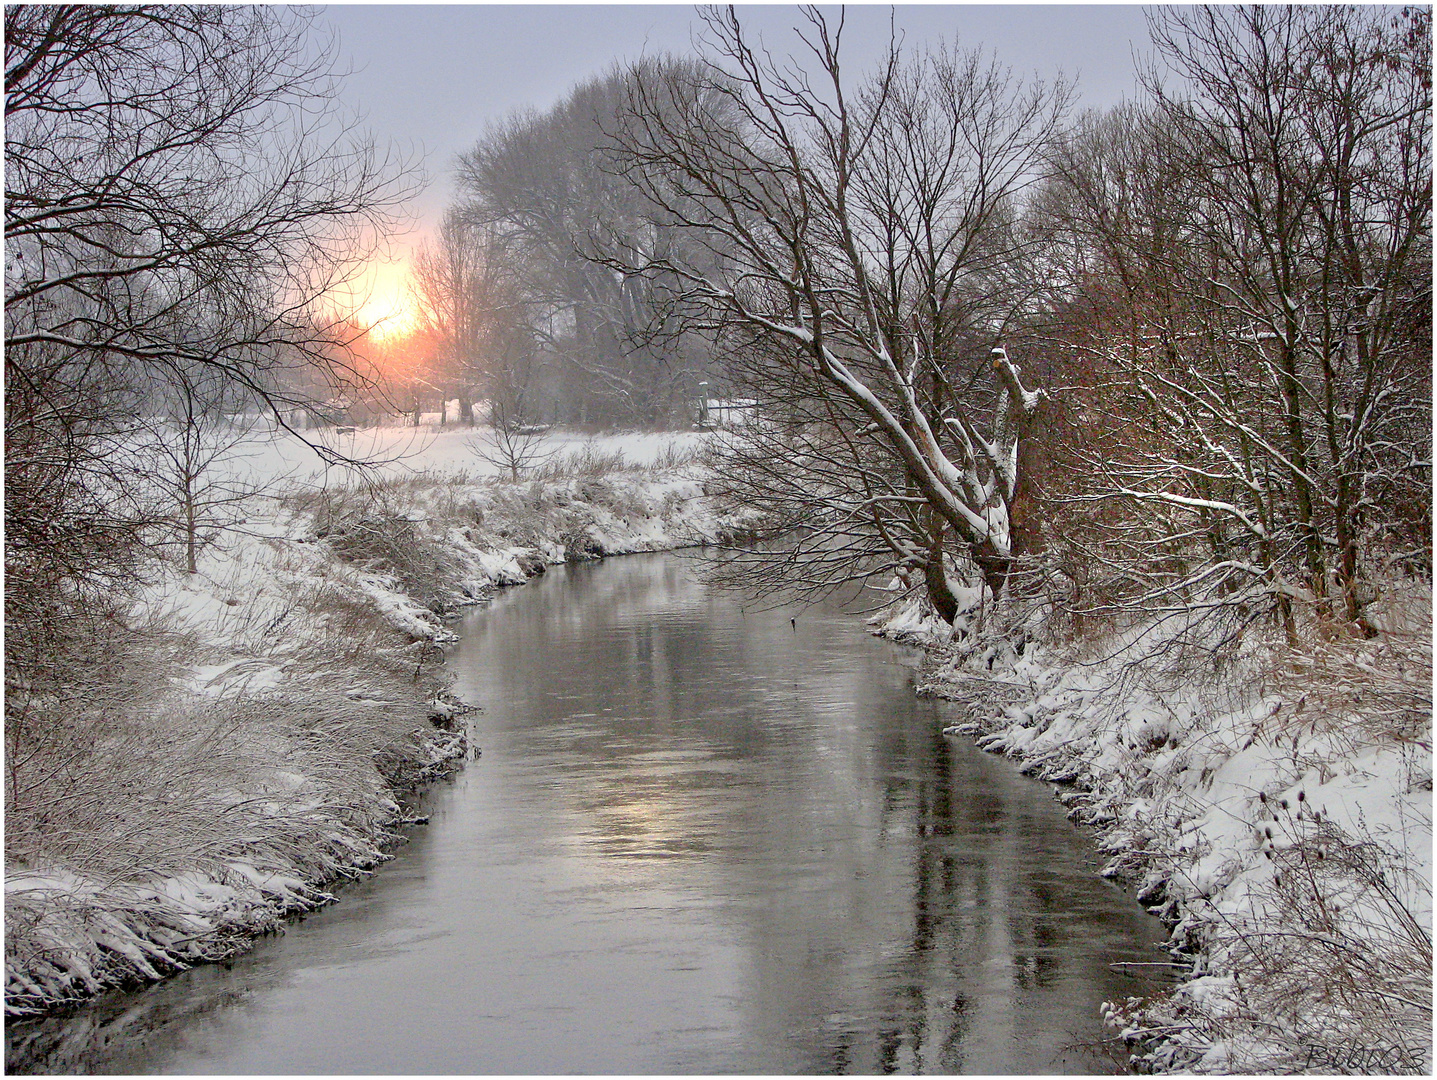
[
  {"x": 861, "y": 232},
  {"x": 454, "y": 282},
  {"x": 1317, "y": 125},
  {"x": 542, "y": 185},
  {"x": 182, "y": 195},
  {"x": 1254, "y": 251},
  {"x": 512, "y": 447},
  {"x": 831, "y": 508},
  {"x": 76, "y": 496},
  {"x": 515, "y": 440},
  {"x": 1135, "y": 317},
  {"x": 197, "y": 421},
  {"x": 180, "y": 187}
]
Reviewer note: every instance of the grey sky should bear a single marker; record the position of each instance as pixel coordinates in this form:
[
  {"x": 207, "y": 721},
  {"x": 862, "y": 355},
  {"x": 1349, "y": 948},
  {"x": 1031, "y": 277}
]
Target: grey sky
[{"x": 432, "y": 77}]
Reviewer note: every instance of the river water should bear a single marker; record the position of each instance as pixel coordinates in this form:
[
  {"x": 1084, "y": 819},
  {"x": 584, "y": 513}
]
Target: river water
[{"x": 700, "y": 839}]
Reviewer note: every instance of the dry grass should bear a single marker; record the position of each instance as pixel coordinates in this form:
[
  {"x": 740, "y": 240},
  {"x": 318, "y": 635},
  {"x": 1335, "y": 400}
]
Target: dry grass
[
  {"x": 584, "y": 462},
  {"x": 1346, "y": 965},
  {"x": 1364, "y": 691},
  {"x": 1331, "y": 959},
  {"x": 376, "y": 527},
  {"x": 588, "y": 461}
]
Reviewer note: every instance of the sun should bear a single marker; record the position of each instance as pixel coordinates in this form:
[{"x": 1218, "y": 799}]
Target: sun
[{"x": 386, "y": 306}]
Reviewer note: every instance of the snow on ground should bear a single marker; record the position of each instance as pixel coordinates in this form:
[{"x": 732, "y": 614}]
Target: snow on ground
[
  {"x": 406, "y": 451},
  {"x": 1277, "y": 814}
]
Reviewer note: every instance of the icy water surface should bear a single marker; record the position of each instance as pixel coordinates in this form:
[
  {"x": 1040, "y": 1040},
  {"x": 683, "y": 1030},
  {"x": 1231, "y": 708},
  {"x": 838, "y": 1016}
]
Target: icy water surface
[{"x": 700, "y": 839}]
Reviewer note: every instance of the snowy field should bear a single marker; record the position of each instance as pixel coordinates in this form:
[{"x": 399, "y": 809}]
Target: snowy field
[
  {"x": 408, "y": 451},
  {"x": 260, "y": 718}
]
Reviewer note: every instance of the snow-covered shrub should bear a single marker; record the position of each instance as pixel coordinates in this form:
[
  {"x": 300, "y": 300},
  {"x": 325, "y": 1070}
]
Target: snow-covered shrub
[
  {"x": 167, "y": 803},
  {"x": 375, "y": 528},
  {"x": 1323, "y": 967}
]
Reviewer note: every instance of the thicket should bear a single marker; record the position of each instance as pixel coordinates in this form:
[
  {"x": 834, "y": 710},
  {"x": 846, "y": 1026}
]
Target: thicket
[{"x": 1245, "y": 335}]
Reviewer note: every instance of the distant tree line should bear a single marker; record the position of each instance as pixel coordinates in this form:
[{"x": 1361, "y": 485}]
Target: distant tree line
[{"x": 523, "y": 302}]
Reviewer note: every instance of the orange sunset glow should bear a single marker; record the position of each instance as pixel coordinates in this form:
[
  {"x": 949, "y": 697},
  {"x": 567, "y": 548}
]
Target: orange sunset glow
[{"x": 384, "y": 303}]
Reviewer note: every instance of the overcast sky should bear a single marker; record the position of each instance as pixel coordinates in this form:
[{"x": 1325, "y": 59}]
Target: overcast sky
[{"x": 431, "y": 77}]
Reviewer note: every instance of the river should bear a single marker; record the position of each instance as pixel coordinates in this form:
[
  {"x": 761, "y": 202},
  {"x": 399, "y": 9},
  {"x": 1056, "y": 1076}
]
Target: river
[{"x": 700, "y": 839}]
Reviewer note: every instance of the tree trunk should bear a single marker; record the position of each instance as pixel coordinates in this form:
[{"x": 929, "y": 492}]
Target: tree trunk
[
  {"x": 995, "y": 570},
  {"x": 191, "y": 561},
  {"x": 934, "y": 575}
]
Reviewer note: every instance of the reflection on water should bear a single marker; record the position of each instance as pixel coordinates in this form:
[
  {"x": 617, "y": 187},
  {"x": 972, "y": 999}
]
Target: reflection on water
[{"x": 700, "y": 839}]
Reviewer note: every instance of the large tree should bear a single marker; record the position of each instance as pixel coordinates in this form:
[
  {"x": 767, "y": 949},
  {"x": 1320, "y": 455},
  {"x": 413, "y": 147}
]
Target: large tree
[
  {"x": 543, "y": 187},
  {"x": 473, "y": 318},
  {"x": 869, "y": 241}
]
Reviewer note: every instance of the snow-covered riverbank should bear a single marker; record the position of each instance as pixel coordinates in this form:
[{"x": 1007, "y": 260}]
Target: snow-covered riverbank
[
  {"x": 255, "y": 729},
  {"x": 256, "y": 725},
  {"x": 1275, "y": 810}
]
